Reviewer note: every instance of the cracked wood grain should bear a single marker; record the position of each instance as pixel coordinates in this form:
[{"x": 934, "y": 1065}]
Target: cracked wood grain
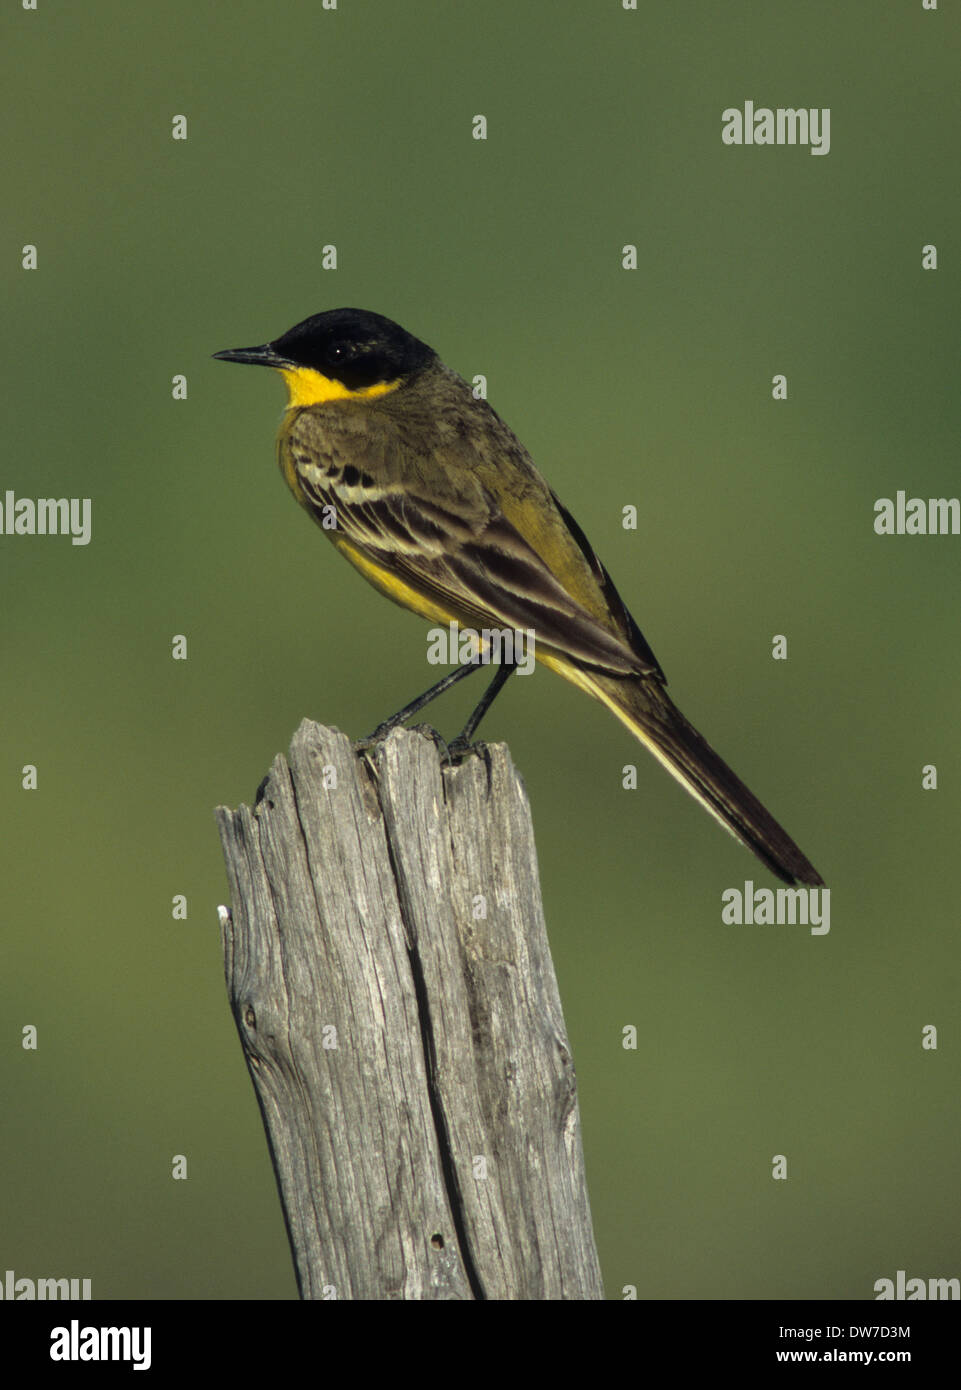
[{"x": 389, "y": 973}]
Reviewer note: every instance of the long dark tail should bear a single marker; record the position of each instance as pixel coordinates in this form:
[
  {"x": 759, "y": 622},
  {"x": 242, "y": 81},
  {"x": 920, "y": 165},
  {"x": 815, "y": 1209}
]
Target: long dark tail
[{"x": 652, "y": 717}]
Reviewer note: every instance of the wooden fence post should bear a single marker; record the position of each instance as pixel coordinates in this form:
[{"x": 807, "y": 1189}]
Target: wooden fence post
[{"x": 388, "y": 969}]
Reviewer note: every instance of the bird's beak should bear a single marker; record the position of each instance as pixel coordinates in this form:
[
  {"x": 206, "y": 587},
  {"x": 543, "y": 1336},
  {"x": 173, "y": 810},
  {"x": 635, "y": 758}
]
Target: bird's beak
[{"x": 263, "y": 356}]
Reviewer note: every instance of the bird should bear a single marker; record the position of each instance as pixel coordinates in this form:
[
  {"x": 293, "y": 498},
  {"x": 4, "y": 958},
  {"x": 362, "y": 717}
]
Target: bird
[{"x": 421, "y": 485}]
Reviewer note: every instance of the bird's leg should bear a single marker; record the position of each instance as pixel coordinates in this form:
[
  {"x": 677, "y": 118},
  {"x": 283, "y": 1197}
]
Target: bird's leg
[
  {"x": 415, "y": 706},
  {"x": 463, "y": 740}
]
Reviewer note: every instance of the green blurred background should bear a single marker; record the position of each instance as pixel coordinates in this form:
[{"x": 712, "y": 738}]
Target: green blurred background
[{"x": 650, "y": 387}]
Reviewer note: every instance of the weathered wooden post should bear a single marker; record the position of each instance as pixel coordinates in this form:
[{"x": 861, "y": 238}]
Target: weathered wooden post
[{"x": 389, "y": 972}]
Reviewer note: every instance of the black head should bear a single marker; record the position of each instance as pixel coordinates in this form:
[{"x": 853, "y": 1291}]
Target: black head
[{"x": 353, "y": 346}]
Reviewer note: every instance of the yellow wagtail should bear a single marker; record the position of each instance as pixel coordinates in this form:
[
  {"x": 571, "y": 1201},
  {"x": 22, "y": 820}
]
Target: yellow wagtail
[{"x": 440, "y": 507}]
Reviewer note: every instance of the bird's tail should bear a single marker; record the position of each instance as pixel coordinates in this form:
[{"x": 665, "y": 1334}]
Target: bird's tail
[{"x": 643, "y": 705}]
